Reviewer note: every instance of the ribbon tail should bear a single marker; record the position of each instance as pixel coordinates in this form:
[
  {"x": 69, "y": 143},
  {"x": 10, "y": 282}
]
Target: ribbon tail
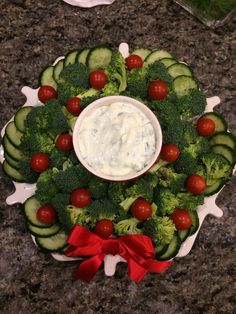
[
  {"x": 136, "y": 272},
  {"x": 88, "y": 268},
  {"x": 156, "y": 266}
]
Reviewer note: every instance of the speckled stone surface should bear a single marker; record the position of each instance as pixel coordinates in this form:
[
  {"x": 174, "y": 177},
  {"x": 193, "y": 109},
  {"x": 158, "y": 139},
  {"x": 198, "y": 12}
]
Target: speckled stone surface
[{"x": 32, "y": 35}]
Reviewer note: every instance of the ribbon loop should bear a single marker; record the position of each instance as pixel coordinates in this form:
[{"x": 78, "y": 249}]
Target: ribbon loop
[{"x": 110, "y": 246}]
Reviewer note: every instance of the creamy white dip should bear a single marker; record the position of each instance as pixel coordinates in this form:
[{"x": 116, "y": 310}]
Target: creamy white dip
[{"x": 117, "y": 139}]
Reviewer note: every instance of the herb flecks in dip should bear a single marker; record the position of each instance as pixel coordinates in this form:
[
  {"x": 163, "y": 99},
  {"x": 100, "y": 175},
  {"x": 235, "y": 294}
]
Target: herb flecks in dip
[{"x": 117, "y": 139}]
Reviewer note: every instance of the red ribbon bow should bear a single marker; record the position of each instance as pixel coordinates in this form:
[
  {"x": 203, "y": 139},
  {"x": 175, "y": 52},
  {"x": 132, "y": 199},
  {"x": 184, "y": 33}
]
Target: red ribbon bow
[{"x": 136, "y": 249}]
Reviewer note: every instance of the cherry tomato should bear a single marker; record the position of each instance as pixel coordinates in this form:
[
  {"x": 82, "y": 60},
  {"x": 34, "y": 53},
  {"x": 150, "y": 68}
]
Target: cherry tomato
[
  {"x": 46, "y": 214},
  {"x": 157, "y": 90},
  {"x": 141, "y": 209},
  {"x": 46, "y": 93},
  {"x": 39, "y": 162},
  {"x": 98, "y": 79},
  {"x": 170, "y": 152},
  {"x": 64, "y": 142},
  {"x": 80, "y": 197},
  {"x": 181, "y": 219},
  {"x": 133, "y": 61},
  {"x": 73, "y": 106},
  {"x": 104, "y": 228},
  {"x": 195, "y": 184},
  {"x": 205, "y": 127}
]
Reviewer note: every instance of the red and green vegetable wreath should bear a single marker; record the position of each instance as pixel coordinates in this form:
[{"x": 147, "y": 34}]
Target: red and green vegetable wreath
[{"x": 196, "y": 160}]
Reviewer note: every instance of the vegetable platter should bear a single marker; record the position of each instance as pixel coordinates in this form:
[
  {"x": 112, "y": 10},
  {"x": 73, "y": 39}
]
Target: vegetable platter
[{"x": 164, "y": 208}]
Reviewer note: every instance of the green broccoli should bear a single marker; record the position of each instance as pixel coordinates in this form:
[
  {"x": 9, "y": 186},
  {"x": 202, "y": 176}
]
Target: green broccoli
[
  {"x": 87, "y": 100},
  {"x": 116, "y": 191},
  {"x": 45, "y": 187},
  {"x": 189, "y": 133},
  {"x": 102, "y": 209},
  {"x": 116, "y": 71},
  {"x": 192, "y": 104},
  {"x": 217, "y": 168},
  {"x": 111, "y": 88},
  {"x": 26, "y": 171},
  {"x": 140, "y": 189},
  {"x": 189, "y": 201},
  {"x": 128, "y": 226},
  {"x": 98, "y": 187},
  {"x": 137, "y": 84},
  {"x": 166, "y": 201},
  {"x": 160, "y": 229},
  {"x": 157, "y": 71},
  {"x": 198, "y": 148},
  {"x": 57, "y": 158},
  {"x": 186, "y": 164},
  {"x": 76, "y": 75},
  {"x": 151, "y": 178},
  {"x": 173, "y": 134},
  {"x": 72, "y": 178},
  {"x": 170, "y": 179},
  {"x": 66, "y": 91}
]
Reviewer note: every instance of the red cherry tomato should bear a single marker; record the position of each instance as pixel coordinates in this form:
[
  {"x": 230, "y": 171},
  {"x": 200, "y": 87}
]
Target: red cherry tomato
[
  {"x": 80, "y": 198},
  {"x": 205, "y": 127},
  {"x": 133, "y": 61},
  {"x": 104, "y": 228},
  {"x": 141, "y": 209},
  {"x": 46, "y": 93},
  {"x": 64, "y": 142},
  {"x": 170, "y": 152},
  {"x": 181, "y": 219},
  {"x": 98, "y": 79},
  {"x": 39, "y": 162},
  {"x": 195, "y": 184},
  {"x": 46, "y": 214},
  {"x": 157, "y": 90},
  {"x": 73, "y": 106}
]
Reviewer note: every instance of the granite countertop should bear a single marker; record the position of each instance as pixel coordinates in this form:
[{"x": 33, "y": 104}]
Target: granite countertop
[{"x": 33, "y": 34}]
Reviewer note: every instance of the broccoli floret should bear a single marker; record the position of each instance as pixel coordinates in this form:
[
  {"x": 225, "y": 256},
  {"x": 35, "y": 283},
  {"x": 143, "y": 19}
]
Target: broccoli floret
[
  {"x": 157, "y": 165},
  {"x": 26, "y": 171},
  {"x": 189, "y": 133},
  {"x": 116, "y": 191},
  {"x": 116, "y": 71},
  {"x": 217, "y": 167},
  {"x": 72, "y": 178},
  {"x": 173, "y": 134},
  {"x": 76, "y": 75},
  {"x": 151, "y": 178},
  {"x": 66, "y": 91},
  {"x": 85, "y": 101},
  {"x": 128, "y": 226},
  {"x": 157, "y": 71},
  {"x": 170, "y": 179},
  {"x": 190, "y": 201},
  {"x": 186, "y": 164},
  {"x": 166, "y": 201},
  {"x": 46, "y": 188},
  {"x": 140, "y": 189},
  {"x": 34, "y": 119},
  {"x": 98, "y": 188},
  {"x": 137, "y": 83},
  {"x": 57, "y": 158},
  {"x": 102, "y": 209},
  {"x": 34, "y": 141},
  {"x": 111, "y": 88},
  {"x": 198, "y": 148},
  {"x": 192, "y": 104},
  {"x": 160, "y": 229}
]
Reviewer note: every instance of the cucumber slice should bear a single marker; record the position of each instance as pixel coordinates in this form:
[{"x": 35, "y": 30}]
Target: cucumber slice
[
  {"x": 225, "y": 151},
  {"x": 178, "y": 69},
  {"x": 161, "y": 249},
  {"x": 57, "y": 70},
  {"x": 12, "y": 173},
  {"x": 20, "y": 116},
  {"x": 220, "y": 123},
  {"x": 225, "y": 138},
  {"x": 168, "y": 61},
  {"x": 195, "y": 222},
  {"x": 53, "y": 243},
  {"x": 141, "y": 52},
  {"x": 11, "y": 150},
  {"x": 43, "y": 232},
  {"x": 70, "y": 57},
  {"x": 31, "y": 206},
  {"x": 214, "y": 188},
  {"x": 157, "y": 55},
  {"x": 99, "y": 57},
  {"x": 183, "y": 84},
  {"x": 82, "y": 56},
  {"x": 173, "y": 248},
  {"x": 183, "y": 234},
  {"x": 12, "y": 162},
  {"x": 13, "y": 134},
  {"x": 46, "y": 77}
]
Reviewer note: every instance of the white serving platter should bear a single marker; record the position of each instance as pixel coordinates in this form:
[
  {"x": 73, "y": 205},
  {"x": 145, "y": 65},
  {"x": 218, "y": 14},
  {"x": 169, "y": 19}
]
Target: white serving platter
[{"x": 88, "y": 3}]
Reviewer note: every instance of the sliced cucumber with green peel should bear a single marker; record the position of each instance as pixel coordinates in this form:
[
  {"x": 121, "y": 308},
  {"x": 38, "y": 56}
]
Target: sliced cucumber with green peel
[
  {"x": 70, "y": 57},
  {"x": 11, "y": 150},
  {"x": 168, "y": 61},
  {"x": 220, "y": 123},
  {"x": 225, "y": 151},
  {"x": 12, "y": 162},
  {"x": 13, "y": 134},
  {"x": 173, "y": 248},
  {"x": 157, "y": 55},
  {"x": 178, "y": 69},
  {"x": 12, "y": 173},
  {"x": 161, "y": 249},
  {"x": 182, "y": 85},
  {"x": 20, "y": 116},
  {"x": 46, "y": 77},
  {"x": 31, "y": 206},
  {"x": 214, "y": 188},
  {"x": 225, "y": 138},
  {"x": 43, "y": 232},
  {"x": 57, "y": 70},
  {"x": 53, "y": 243},
  {"x": 195, "y": 222},
  {"x": 183, "y": 234},
  {"x": 99, "y": 57},
  {"x": 141, "y": 52},
  {"x": 82, "y": 56}
]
